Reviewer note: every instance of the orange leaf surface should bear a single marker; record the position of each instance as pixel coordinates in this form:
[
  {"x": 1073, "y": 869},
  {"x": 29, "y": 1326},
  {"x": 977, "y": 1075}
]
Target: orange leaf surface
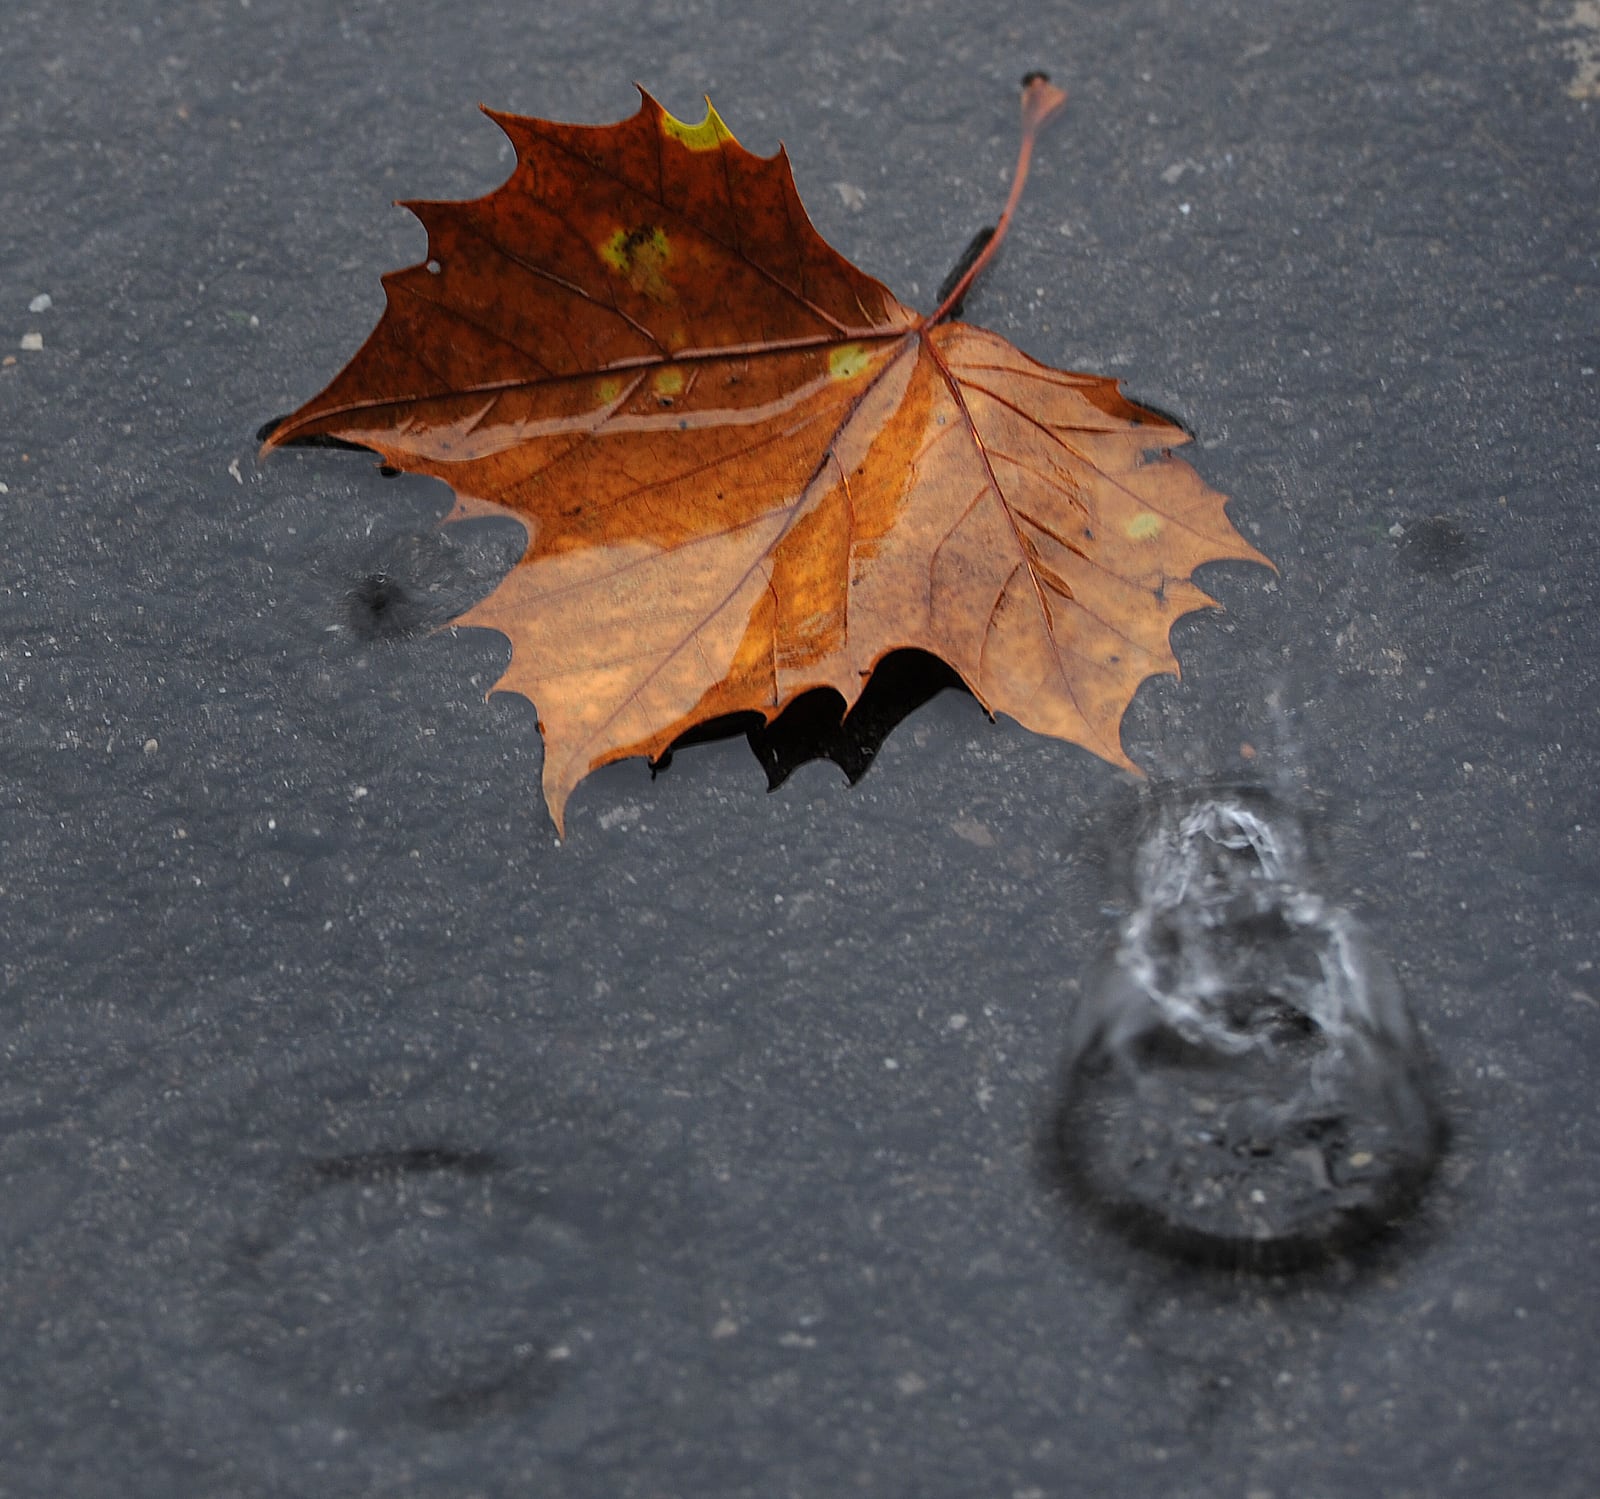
[{"x": 746, "y": 470}]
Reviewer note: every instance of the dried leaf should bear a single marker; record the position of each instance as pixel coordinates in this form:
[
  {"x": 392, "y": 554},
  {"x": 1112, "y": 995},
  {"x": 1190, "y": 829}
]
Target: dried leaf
[{"x": 746, "y": 470}]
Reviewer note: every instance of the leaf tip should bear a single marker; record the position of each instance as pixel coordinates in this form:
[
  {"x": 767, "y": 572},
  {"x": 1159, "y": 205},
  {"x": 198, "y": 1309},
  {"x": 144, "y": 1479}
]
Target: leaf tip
[
  {"x": 267, "y": 436},
  {"x": 555, "y": 801},
  {"x": 502, "y": 117}
]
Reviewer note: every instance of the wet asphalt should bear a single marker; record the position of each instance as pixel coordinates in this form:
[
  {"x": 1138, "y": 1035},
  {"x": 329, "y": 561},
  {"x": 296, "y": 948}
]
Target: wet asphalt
[{"x": 358, "y": 1139}]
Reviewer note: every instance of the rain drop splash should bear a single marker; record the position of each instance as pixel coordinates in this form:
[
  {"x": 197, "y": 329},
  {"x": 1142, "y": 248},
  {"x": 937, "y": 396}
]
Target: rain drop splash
[{"x": 1244, "y": 1082}]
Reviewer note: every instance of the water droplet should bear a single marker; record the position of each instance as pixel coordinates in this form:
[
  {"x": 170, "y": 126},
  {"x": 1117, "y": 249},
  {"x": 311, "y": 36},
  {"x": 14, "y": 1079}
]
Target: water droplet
[
  {"x": 380, "y": 607},
  {"x": 1244, "y": 1081}
]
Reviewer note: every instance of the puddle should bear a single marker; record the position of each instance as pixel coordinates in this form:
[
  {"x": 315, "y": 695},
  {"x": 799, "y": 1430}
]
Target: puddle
[{"x": 1244, "y": 1081}]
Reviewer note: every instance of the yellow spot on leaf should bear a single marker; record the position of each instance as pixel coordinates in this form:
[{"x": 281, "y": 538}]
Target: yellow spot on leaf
[
  {"x": 706, "y": 136},
  {"x": 847, "y": 360},
  {"x": 667, "y": 382},
  {"x": 608, "y": 391},
  {"x": 1144, "y": 527},
  {"x": 640, "y": 255}
]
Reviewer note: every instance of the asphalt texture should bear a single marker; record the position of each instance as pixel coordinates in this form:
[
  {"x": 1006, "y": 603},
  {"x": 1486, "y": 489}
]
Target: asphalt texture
[{"x": 358, "y": 1139}]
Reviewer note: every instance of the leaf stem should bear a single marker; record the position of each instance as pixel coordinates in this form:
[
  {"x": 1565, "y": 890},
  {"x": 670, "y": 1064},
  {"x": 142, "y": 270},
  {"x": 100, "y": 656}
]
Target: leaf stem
[{"x": 1041, "y": 100}]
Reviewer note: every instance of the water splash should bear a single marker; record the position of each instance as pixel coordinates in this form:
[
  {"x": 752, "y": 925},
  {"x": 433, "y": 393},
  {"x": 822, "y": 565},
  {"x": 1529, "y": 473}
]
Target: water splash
[{"x": 1244, "y": 1080}]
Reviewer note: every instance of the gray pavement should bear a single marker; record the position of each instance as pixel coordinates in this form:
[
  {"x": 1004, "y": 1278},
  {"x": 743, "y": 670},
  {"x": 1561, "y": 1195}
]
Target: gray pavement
[{"x": 356, "y": 1139}]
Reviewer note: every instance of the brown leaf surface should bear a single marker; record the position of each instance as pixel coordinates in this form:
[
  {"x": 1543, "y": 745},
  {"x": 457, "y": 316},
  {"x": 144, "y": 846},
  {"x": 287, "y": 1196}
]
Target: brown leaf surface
[{"x": 746, "y": 470}]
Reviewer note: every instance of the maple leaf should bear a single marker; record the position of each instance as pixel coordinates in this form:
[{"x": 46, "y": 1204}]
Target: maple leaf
[{"x": 746, "y": 470}]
